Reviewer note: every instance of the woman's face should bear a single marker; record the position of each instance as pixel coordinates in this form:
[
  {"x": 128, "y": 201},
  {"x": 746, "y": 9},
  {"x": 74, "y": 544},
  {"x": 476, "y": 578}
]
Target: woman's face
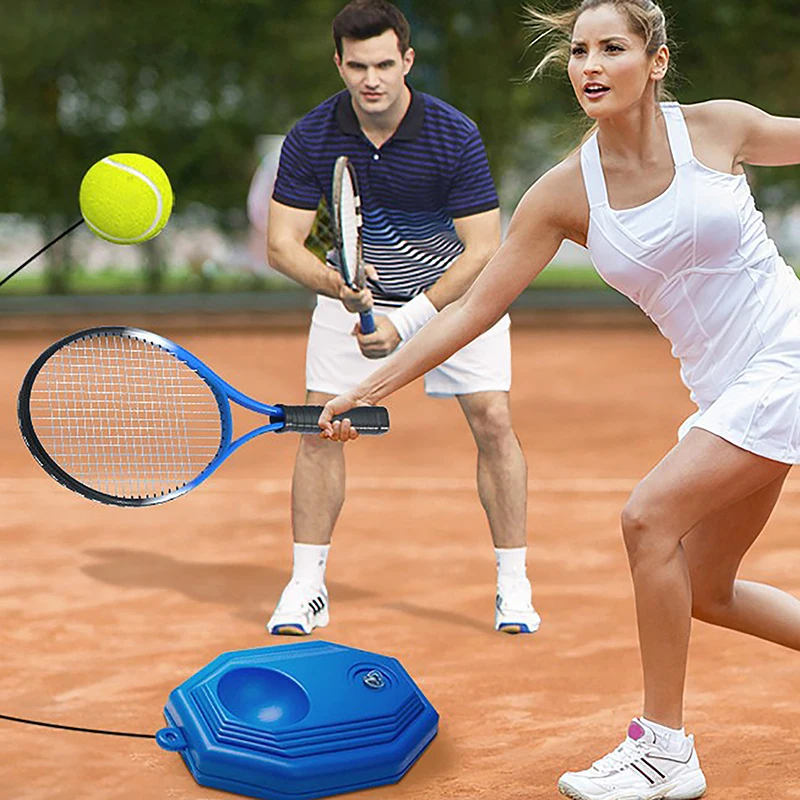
[{"x": 609, "y": 67}]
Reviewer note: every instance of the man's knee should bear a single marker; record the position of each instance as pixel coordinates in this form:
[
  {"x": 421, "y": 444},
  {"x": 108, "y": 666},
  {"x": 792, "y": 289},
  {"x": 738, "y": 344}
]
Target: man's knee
[{"x": 490, "y": 422}]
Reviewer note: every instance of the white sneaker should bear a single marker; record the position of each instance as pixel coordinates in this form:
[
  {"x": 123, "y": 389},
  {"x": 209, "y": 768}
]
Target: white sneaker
[
  {"x": 514, "y": 612},
  {"x": 302, "y": 608},
  {"x": 639, "y": 769}
]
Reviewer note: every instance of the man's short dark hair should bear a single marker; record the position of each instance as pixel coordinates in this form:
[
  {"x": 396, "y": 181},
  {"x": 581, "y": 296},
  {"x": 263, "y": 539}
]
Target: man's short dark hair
[{"x": 363, "y": 19}]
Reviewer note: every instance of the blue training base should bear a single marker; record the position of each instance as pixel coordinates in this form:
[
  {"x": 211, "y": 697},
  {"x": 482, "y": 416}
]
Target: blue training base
[{"x": 298, "y": 721}]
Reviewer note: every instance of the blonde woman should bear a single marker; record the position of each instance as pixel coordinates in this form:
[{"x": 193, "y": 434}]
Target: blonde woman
[{"x": 658, "y": 195}]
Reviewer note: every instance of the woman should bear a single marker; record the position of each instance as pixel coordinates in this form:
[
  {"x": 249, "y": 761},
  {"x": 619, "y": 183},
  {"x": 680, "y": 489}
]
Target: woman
[{"x": 658, "y": 195}]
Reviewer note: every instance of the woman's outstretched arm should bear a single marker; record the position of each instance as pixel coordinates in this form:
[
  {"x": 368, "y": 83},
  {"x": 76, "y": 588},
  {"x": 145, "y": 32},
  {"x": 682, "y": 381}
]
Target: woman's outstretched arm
[{"x": 542, "y": 220}]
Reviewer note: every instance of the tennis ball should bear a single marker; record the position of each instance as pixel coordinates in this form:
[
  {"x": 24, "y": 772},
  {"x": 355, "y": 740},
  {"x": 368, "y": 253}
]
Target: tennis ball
[{"x": 126, "y": 198}]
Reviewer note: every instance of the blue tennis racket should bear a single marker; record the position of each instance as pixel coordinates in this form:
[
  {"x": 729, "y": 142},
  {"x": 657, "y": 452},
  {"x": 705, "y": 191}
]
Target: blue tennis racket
[
  {"x": 128, "y": 418},
  {"x": 347, "y": 224}
]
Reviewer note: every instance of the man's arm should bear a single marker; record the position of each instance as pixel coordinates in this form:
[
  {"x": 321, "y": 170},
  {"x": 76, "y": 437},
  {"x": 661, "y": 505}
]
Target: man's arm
[
  {"x": 287, "y": 232},
  {"x": 480, "y": 234},
  {"x": 471, "y": 188}
]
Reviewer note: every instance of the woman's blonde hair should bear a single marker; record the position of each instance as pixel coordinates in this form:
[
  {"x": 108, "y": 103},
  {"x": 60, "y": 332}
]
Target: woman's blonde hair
[{"x": 646, "y": 19}]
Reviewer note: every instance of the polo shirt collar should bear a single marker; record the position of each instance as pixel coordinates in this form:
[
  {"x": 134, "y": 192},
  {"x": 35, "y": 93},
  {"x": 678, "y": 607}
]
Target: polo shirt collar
[{"x": 408, "y": 129}]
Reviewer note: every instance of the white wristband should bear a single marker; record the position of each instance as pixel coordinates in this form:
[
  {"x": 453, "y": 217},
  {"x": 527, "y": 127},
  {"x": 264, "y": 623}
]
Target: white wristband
[{"x": 408, "y": 319}]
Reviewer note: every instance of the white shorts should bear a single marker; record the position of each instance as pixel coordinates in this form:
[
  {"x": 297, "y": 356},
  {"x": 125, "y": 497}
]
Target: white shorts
[{"x": 334, "y": 363}]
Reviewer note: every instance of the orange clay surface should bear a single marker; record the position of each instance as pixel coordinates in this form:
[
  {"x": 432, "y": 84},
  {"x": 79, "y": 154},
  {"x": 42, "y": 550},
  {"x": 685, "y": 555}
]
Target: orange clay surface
[{"x": 105, "y": 610}]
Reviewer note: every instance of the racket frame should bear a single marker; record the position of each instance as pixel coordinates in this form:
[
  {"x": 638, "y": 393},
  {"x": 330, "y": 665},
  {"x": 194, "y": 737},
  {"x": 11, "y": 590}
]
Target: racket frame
[
  {"x": 354, "y": 275},
  {"x": 222, "y": 391}
]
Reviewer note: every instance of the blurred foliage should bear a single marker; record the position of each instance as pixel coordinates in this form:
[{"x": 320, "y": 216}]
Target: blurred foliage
[{"x": 193, "y": 83}]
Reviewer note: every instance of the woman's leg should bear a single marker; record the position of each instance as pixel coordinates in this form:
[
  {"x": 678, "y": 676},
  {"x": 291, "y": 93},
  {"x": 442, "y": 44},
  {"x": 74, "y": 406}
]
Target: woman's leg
[
  {"x": 687, "y": 526},
  {"x": 702, "y": 477},
  {"x": 714, "y": 549}
]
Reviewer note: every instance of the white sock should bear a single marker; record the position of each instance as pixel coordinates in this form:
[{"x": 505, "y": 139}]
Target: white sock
[
  {"x": 309, "y": 563},
  {"x": 510, "y": 563},
  {"x": 670, "y": 738}
]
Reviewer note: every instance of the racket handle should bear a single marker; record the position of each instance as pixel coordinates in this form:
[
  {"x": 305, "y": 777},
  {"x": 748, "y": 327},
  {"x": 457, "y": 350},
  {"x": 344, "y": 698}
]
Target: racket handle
[
  {"x": 367, "y": 322},
  {"x": 367, "y": 420}
]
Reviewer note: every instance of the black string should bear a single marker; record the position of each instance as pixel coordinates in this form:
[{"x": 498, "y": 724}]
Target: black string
[
  {"x": 74, "y": 728},
  {"x": 36, "y": 255}
]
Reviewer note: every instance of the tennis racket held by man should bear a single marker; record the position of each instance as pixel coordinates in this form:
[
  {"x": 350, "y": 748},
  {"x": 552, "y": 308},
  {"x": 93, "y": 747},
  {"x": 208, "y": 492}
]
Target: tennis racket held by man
[{"x": 348, "y": 230}]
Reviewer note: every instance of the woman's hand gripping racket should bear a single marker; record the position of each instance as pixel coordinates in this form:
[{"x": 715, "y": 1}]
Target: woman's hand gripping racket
[
  {"x": 128, "y": 418},
  {"x": 347, "y": 222}
]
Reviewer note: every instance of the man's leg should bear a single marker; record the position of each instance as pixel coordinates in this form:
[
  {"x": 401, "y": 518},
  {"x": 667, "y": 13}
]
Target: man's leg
[
  {"x": 318, "y": 488},
  {"x": 318, "y": 484},
  {"x": 503, "y": 490}
]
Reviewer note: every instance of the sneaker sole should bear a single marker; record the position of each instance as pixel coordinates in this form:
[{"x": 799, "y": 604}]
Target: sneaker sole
[
  {"x": 695, "y": 790},
  {"x": 288, "y": 630},
  {"x": 515, "y": 627},
  {"x": 297, "y": 629}
]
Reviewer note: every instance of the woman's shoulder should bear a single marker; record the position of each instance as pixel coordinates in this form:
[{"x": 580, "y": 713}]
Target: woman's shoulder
[
  {"x": 713, "y": 113},
  {"x": 716, "y": 125},
  {"x": 559, "y": 197},
  {"x": 566, "y": 176}
]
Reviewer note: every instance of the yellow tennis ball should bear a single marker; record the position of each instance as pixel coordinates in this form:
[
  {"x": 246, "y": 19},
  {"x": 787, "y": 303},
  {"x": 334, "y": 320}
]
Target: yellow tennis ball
[{"x": 126, "y": 198}]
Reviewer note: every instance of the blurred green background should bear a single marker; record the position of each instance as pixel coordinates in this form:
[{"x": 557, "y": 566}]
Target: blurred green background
[{"x": 199, "y": 84}]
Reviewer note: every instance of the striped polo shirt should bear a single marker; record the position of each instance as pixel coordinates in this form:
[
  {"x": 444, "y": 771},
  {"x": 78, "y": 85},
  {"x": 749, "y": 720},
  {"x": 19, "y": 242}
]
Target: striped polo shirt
[{"x": 431, "y": 171}]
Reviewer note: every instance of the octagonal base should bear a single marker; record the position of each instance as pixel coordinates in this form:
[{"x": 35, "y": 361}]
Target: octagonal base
[{"x": 299, "y": 721}]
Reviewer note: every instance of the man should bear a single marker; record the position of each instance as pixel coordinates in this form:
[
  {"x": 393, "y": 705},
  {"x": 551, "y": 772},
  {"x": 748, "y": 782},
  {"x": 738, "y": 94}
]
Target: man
[{"x": 431, "y": 223}]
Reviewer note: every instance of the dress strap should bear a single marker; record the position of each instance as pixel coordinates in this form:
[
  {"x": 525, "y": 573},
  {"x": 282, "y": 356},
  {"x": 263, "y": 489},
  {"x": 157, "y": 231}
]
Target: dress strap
[
  {"x": 592, "y": 170},
  {"x": 678, "y": 133}
]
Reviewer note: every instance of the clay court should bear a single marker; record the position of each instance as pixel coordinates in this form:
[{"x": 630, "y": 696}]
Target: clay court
[{"x": 105, "y": 610}]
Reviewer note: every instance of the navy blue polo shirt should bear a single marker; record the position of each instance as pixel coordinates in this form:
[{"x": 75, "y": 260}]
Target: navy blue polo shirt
[{"x": 433, "y": 170}]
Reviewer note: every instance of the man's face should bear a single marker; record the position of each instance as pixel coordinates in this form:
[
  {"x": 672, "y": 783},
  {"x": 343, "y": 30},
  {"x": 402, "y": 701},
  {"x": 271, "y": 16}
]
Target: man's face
[{"x": 374, "y": 70}]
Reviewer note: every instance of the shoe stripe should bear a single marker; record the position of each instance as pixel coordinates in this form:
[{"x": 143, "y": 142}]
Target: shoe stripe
[
  {"x": 650, "y": 780},
  {"x": 317, "y": 604},
  {"x": 672, "y": 759},
  {"x": 654, "y": 768}
]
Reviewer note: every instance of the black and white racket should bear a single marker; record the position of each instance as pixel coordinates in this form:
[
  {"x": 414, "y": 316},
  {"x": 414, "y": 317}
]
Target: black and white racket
[
  {"x": 128, "y": 418},
  {"x": 347, "y": 224}
]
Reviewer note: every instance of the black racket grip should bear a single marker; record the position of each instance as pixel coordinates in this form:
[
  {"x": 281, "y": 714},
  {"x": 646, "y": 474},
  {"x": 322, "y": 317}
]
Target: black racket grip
[{"x": 367, "y": 420}]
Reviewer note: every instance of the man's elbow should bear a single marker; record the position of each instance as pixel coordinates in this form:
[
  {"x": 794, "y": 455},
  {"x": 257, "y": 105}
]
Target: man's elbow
[
  {"x": 488, "y": 252},
  {"x": 484, "y": 254},
  {"x": 276, "y": 252}
]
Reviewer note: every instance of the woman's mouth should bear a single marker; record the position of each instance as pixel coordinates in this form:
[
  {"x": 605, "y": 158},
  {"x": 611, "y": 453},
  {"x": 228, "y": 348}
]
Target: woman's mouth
[{"x": 595, "y": 90}]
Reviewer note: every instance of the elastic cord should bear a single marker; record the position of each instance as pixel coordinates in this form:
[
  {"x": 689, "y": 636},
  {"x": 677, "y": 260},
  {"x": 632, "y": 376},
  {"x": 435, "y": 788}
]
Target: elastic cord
[{"x": 76, "y": 728}]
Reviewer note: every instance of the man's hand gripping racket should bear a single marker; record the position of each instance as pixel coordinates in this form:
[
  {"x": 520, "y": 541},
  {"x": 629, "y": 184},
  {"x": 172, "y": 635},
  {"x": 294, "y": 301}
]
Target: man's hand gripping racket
[
  {"x": 347, "y": 224},
  {"x": 128, "y": 418}
]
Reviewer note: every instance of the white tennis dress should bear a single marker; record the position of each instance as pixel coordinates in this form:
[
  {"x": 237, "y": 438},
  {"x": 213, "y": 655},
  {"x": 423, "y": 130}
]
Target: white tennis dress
[{"x": 698, "y": 261}]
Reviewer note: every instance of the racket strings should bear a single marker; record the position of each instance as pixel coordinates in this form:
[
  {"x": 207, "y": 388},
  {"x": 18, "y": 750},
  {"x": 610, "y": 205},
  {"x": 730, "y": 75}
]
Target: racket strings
[{"x": 125, "y": 417}]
